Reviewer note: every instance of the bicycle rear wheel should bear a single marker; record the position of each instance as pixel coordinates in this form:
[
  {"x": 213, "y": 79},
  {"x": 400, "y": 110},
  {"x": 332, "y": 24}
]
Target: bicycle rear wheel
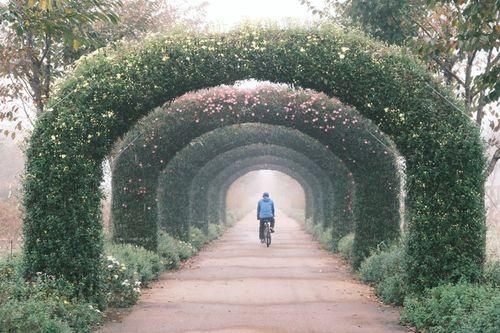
[{"x": 268, "y": 236}]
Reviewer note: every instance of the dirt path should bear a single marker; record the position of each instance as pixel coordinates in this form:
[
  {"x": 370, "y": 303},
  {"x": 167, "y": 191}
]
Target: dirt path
[{"x": 239, "y": 285}]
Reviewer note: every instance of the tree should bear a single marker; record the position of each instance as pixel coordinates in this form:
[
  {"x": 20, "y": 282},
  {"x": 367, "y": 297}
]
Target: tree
[
  {"x": 39, "y": 39},
  {"x": 384, "y": 19},
  {"x": 457, "y": 39},
  {"x": 140, "y": 17}
]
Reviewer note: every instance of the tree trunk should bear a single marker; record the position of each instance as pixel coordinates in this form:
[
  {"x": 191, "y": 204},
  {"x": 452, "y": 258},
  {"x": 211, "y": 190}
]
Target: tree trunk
[
  {"x": 493, "y": 162},
  {"x": 468, "y": 85},
  {"x": 47, "y": 69},
  {"x": 34, "y": 79}
]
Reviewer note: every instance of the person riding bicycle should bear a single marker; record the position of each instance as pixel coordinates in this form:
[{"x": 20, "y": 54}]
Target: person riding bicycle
[{"x": 265, "y": 212}]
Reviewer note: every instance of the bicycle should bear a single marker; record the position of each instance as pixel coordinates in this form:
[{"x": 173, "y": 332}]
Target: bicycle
[{"x": 267, "y": 233}]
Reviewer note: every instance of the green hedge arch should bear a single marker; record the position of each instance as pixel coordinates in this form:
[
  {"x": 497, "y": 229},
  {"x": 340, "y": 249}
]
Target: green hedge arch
[
  {"x": 186, "y": 164},
  {"x": 175, "y": 178},
  {"x": 216, "y": 208},
  {"x": 338, "y": 187},
  {"x": 131, "y": 225},
  {"x": 356, "y": 141},
  {"x": 111, "y": 89},
  {"x": 310, "y": 173}
]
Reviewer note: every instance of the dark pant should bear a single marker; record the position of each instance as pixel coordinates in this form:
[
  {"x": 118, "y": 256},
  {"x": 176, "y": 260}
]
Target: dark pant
[{"x": 261, "y": 228}]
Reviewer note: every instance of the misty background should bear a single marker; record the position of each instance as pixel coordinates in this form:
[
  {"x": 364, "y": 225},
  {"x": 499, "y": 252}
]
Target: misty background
[{"x": 286, "y": 192}]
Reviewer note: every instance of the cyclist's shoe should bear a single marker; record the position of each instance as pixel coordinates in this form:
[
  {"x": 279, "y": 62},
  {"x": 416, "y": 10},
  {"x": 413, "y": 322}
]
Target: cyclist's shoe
[
  {"x": 272, "y": 230},
  {"x": 262, "y": 240}
]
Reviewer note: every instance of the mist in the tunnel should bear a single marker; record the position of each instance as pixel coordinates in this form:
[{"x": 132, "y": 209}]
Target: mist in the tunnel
[{"x": 285, "y": 191}]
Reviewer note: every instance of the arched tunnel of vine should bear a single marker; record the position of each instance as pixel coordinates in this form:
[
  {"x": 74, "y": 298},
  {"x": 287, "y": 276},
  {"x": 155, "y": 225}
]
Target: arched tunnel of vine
[
  {"x": 370, "y": 103},
  {"x": 340, "y": 195},
  {"x": 370, "y": 160}
]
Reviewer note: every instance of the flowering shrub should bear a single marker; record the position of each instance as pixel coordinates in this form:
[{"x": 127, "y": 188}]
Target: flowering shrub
[
  {"x": 186, "y": 250},
  {"x": 492, "y": 273},
  {"x": 122, "y": 287},
  {"x": 138, "y": 263}
]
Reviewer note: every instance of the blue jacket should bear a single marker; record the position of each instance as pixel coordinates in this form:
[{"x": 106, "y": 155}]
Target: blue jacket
[{"x": 265, "y": 208}]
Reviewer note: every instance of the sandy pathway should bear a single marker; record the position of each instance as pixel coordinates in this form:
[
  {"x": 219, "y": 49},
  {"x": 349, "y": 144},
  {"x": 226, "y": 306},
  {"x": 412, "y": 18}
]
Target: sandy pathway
[{"x": 239, "y": 285}]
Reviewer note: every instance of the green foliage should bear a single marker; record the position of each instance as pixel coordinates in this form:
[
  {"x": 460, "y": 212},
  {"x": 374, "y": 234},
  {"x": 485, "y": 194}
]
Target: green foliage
[
  {"x": 492, "y": 273},
  {"x": 461, "y": 308},
  {"x": 40, "y": 38},
  {"x": 121, "y": 283},
  {"x": 42, "y": 305},
  {"x": 326, "y": 240},
  {"x": 297, "y": 214},
  {"x": 30, "y": 316},
  {"x": 137, "y": 261},
  {"x": 11, "y": 267},
  {"x": 197, "y": 238},
  {"x": 346, "y": 246},
  {"x": 385, "y": 19},
  {"x": 185, "y": 250},
  {"x": 168, "y": 250},
  {"x": 219, "y": 186},
  {"x": 322, "y": 235},
  {"x": 110, "y": 90},
  {"x": 384, "y": 269},
  {"x": 195, "y": 170},
  {"x": 309, "y": 226},
  {"x": 136, "y": 169},
  {"x": 214, "y": 231}
]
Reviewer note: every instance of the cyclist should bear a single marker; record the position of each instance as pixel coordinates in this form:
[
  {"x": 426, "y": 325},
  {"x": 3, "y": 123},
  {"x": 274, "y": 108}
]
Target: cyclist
[{"x": 265, "y": 212}]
